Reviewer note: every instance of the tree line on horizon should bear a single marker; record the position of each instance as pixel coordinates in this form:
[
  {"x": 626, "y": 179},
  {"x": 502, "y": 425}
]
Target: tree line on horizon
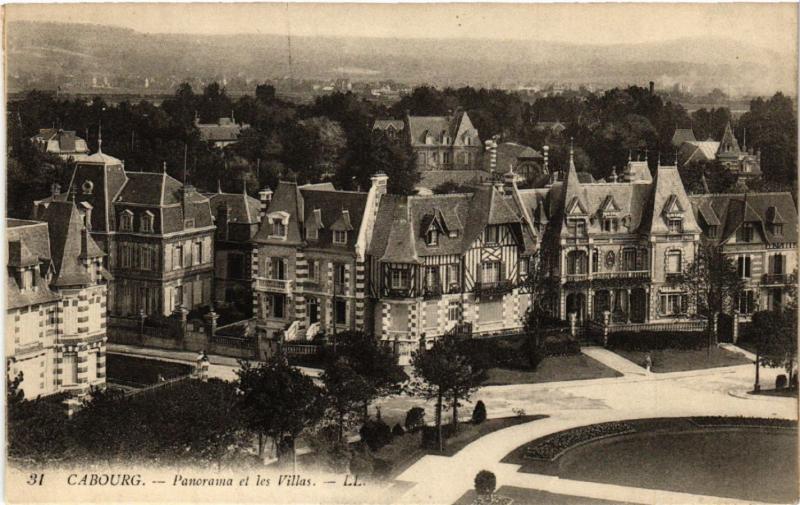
[{"x": 331, "y": 138}]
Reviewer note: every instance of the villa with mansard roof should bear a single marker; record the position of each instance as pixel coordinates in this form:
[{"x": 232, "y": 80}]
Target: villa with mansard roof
[
  {"x": 739, "y": 160},
  {"x": 156, "y": 232}
]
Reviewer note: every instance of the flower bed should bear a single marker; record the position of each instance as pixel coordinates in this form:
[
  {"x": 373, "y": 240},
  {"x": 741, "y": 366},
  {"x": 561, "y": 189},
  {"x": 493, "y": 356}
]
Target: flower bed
[
  {"x": 743, "y": 421},
  {"x": 551, "y": 447}
]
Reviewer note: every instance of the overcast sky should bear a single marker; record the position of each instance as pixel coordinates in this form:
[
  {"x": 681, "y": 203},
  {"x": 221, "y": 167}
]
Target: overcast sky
[{"x": 767, "y": 25}]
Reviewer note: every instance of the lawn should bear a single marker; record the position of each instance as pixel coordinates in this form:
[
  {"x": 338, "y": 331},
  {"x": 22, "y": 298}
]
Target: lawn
[
  {"x": 524, "y": 496},
  {"x": 138, "y": 372},
  {"x": 743, "y": 458},
  {"x": 553, "y": 369},
  {"x": 679, "y": 360},
  {"x": 406, "y": 449}
]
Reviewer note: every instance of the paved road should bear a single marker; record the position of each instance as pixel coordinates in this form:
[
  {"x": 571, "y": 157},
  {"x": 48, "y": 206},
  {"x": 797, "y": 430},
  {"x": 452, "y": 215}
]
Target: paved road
[{"x": 578, "y": 403}]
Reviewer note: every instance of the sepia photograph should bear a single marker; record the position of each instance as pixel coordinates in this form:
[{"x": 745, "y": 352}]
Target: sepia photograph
[{"x": 401, "y": 253}]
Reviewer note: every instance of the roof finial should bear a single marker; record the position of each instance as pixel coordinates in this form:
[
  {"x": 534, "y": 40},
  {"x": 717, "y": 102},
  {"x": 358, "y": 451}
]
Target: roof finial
[
  {"x": 676, "y": 157},
  {"x": 164, "y": 167},
  {"x": 219, "y": 187},
  {"x": 100, "y": 137},
  {"x": 659, "y": 158},
  {"x": 645, "y": 154},
  {"x": 630, "y": 156},
  {"x": 244, "y": 186},
  {"x": 571, "y": 152},
  {"x": 744, "y": 139}
]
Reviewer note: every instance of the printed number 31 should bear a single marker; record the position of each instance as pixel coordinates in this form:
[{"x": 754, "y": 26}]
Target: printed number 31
[{"x": 35, "y": 478}]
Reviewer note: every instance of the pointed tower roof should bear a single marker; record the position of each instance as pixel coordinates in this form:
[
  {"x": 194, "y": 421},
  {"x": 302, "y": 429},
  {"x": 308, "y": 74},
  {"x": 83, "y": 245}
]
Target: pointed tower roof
[
  {"x": 728, "y": 143},
  {"x": 70, "y": 244}
]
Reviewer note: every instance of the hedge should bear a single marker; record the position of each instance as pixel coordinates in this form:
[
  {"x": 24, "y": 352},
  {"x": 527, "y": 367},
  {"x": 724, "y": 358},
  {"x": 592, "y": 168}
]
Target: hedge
[{"x": 656, "y": 340}]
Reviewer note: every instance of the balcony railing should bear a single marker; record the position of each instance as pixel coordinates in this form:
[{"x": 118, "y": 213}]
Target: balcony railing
[
  {"x": 775, "y": 279},
  {"x": 340, "y": 288},
  {"x": 495, "y": 288},
  {"x": 432, "y": 292},
  {"x": 628, "y": 274},
  {"x": 274, "y": 285},
  {"x": 398, "y": 292}
]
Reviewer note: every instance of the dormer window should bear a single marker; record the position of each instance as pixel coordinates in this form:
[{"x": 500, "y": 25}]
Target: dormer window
[
  {"x": 278, "y": 223},
  {"x": 188, "y": 223},
  {"x": 491, "y": 234},
  {"x": 126, "y": 221},
  {"x": 147, "y": 222},
  {"x": 747, "y": 232},
  {"x": 610, "y": 224},
  {"x": 712, "y": 231},
  {"x": 428, "y": 139},
  {"x": 777, "y": 229},
  {"x": 339, "y": 237},
  {"x": 675, "y": 225},
  {"x": 312, "y": 233},
  {"x": 577, "y": 227},
  {"x": 278, "y": 228},
  {"x": 432, "y": 237}
]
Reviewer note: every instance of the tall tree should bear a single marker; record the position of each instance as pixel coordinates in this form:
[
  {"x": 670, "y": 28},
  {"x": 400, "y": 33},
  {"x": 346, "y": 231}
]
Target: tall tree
[
  {"x": 711, "y": 281},
  {"x": 373, "y": 361},
  {"x": 278, "y": 400},
  {"x": 446, "y": 374},
  {"x": 345, "y": 392}
]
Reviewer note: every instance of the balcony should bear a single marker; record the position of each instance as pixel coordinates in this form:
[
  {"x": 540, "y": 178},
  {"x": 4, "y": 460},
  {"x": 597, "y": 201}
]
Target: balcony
[
  {"x": 628, "y": 274},
  {"x": 340, "y": 289},
  {"x": 432, "y": 292},
  {"x": 397, "y": 293},
  {"x": 274, "y": 285},
  {"x": 493, "y": 289},
  {"x": 775, "y": 279}
]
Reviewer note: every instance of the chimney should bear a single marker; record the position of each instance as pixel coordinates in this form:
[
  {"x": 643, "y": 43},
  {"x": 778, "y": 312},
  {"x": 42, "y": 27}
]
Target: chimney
[
  {"x": 613, "y": 176},
  {"x": 264, "y": 196},
  {"x": 491, "y": 148},
  {"x": 652, "y": 87},
  {"x": 546, "y": 150},
  {"x": 379, "y": 183}
]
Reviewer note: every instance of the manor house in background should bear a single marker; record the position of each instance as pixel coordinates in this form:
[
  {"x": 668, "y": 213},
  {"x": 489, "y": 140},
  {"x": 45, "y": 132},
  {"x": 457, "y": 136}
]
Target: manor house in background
[{"x": 739, "y": 160}]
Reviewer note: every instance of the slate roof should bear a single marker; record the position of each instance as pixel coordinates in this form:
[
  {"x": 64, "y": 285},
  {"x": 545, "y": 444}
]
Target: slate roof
[
  {"x": 27, "y": 240},
  {"x": 224, "y": 130},
  {"x": 383, "y": 124},
  {"x": 60, "y": 142},
  {"x": 510, "y": 154},
  {"x": 667, "y": 186},
  {"x": 242, "y": 208},
  {"x": 705, "y": 150},
  {"x": 732, "y": 210},
  {"x": 70, "y": 243},
  {"x": 682, "y": 135},
  {"x": 432, "y": 178},
  {"x": 403, "y": 221},
  {"x": 338, "y": 210}
]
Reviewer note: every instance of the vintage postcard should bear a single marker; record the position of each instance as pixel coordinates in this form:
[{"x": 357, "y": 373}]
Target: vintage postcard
[{"x": 401, "y": 253}]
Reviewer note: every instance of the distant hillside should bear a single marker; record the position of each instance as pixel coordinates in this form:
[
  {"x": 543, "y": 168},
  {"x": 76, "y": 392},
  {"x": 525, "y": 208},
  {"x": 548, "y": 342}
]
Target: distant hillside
[{"x": 52, "y": 52}]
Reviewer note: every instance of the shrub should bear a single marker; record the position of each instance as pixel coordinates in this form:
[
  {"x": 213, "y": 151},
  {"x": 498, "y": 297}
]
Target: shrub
[
  {"x": 485, "y": 482},
  {"x": 518, "y": 412},
  {"x": 376, "y": 434},
  {"x": 479, "y": 413},
  {"x": 430, "y": 436},
  {"x": 415, "y": 419},
  {"x": 655, "y": 340},
  {"x": 780, "y": 381},
  {"x": 362, "y": 463},
  {"x": 398, "y": 430}
]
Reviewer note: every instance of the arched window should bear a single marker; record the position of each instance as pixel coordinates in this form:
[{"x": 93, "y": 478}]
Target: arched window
[
  {"x": 147, "y": 222},
  {"x": 126, "y": 220}
]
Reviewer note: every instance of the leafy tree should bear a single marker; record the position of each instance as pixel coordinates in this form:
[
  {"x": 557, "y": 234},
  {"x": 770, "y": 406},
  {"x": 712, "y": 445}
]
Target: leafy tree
[
  {"x": 446, "y": 374},
  {"x": 345, "y": 392},
  {"x": 450, "y": 187},
  {"x": 371, "y": 360},
  {"x": 718, "y": 178},
  {"x": 710, "y": 124},
  {"x": 277, "y": 400},
  {"x": 485, "y": 483},
  {"x": 712, "y": 282},
  {"x": 772, "y": 129},
  {"x": 415, "y": 418},
  {"x": 774, "y": 333}
]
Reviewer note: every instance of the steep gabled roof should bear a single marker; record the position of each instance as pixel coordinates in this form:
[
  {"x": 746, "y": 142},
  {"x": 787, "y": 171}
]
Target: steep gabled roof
[
  {"x": 287, "y": 199},
  {"x": 70, "y": 243},
  {"x": 242, "y": 208},
  {"x": 397, "y": 243},
  {"x": 682, "y": 135},
  {"x": 669, "y": 194},
  {"x": 732, "y": 212},
  {"x": 337, "y": 210}
]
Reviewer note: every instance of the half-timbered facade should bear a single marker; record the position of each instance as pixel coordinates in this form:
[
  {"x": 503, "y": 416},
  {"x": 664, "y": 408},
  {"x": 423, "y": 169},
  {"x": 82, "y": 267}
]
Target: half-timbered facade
[{"x": 441, "y": 262}]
